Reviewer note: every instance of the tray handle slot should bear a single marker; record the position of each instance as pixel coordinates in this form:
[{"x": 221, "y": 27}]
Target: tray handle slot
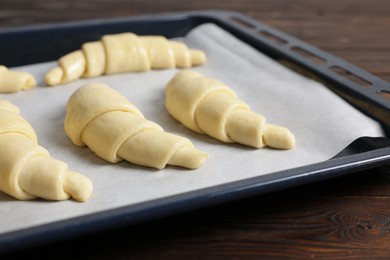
[
  {"x": 351, "y": 76},
  {"x": 308, "y": 55},
  {"x": 272, "y": 37},
  {"x": 385, "y": 94},
  {"x": 243, "y": 23}
]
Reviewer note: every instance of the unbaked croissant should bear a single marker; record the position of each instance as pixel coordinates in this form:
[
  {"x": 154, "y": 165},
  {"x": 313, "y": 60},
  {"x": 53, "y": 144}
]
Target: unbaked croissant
[
  {"x": 115, "y": 129},
  {"x": 14, "y": 81},
  {"x": 208, "y": 106},
  {"x": 26, "y": 169},
  {"x": 123, "y": 52}
]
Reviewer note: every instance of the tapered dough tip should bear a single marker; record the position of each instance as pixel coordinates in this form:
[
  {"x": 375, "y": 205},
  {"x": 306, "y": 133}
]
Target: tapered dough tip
[
  {"x": 189, "y": 157},
  {"x": 197, "y": 57},
  {"x": 78, "y": 186},
  {"x": 54, "y": 76},
  {"x": 278, "y": 137},
  {"x": 29, "y": 82}
]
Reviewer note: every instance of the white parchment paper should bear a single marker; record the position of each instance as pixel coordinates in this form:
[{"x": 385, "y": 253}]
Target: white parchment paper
[{"x": 322, "y": 122}]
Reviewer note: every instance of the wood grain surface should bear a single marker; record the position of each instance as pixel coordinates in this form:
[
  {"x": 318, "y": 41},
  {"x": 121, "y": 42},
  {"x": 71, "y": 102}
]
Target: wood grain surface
[{"x": 343, "y": 218}]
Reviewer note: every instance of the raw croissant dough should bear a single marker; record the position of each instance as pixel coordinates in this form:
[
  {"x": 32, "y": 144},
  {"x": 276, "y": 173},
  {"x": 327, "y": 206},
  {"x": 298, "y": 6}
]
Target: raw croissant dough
[
  {"x": 207, "y": 106},
  {"x": 112, "y": 127},
  {"x": 123, "y": 52},
  {"x": 26, "y": 169},
  {"x": 13, "y": 81}
]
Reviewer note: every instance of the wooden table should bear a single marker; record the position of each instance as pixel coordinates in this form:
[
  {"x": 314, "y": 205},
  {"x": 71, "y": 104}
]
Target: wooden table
[{"x": 347, "y": 217}]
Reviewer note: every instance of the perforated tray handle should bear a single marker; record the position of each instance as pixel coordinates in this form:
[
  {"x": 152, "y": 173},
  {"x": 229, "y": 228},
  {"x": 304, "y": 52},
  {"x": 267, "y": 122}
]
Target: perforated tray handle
[{"x": 365, "y": 91}]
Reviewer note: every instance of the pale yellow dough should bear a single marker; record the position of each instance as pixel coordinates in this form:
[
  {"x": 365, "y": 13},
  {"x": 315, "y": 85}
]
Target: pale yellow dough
[
  {"x": 208, "y": 106},
  {"x": 27, "y": 171},
  {"x": 14, "y": 81},
  {"x": 115, "y": 129},
  {"x": 123, "y": 52}
]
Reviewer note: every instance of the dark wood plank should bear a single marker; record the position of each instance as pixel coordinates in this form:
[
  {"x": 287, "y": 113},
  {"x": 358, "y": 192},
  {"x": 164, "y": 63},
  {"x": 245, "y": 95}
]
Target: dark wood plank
[
  {"x": 347, "y": 217},
  {"x": 297, "y": 222}
]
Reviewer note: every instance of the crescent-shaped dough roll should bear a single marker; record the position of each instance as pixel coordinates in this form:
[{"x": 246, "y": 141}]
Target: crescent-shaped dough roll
[
  {"x": 26, "y": 169},
  {"x": 123, "y": 52},
  {"x": 208, "y": 106},
  {"x": 14, "y": 81},
  {"x": 102, "y": 119}
]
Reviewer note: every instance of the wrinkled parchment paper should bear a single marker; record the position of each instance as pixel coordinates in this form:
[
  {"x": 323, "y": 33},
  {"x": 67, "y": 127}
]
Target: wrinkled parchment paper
[{"x": 322, "y": 123}]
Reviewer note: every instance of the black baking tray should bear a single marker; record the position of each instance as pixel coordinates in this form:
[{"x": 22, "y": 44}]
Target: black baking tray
[{"x": 35, "y": 44}]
